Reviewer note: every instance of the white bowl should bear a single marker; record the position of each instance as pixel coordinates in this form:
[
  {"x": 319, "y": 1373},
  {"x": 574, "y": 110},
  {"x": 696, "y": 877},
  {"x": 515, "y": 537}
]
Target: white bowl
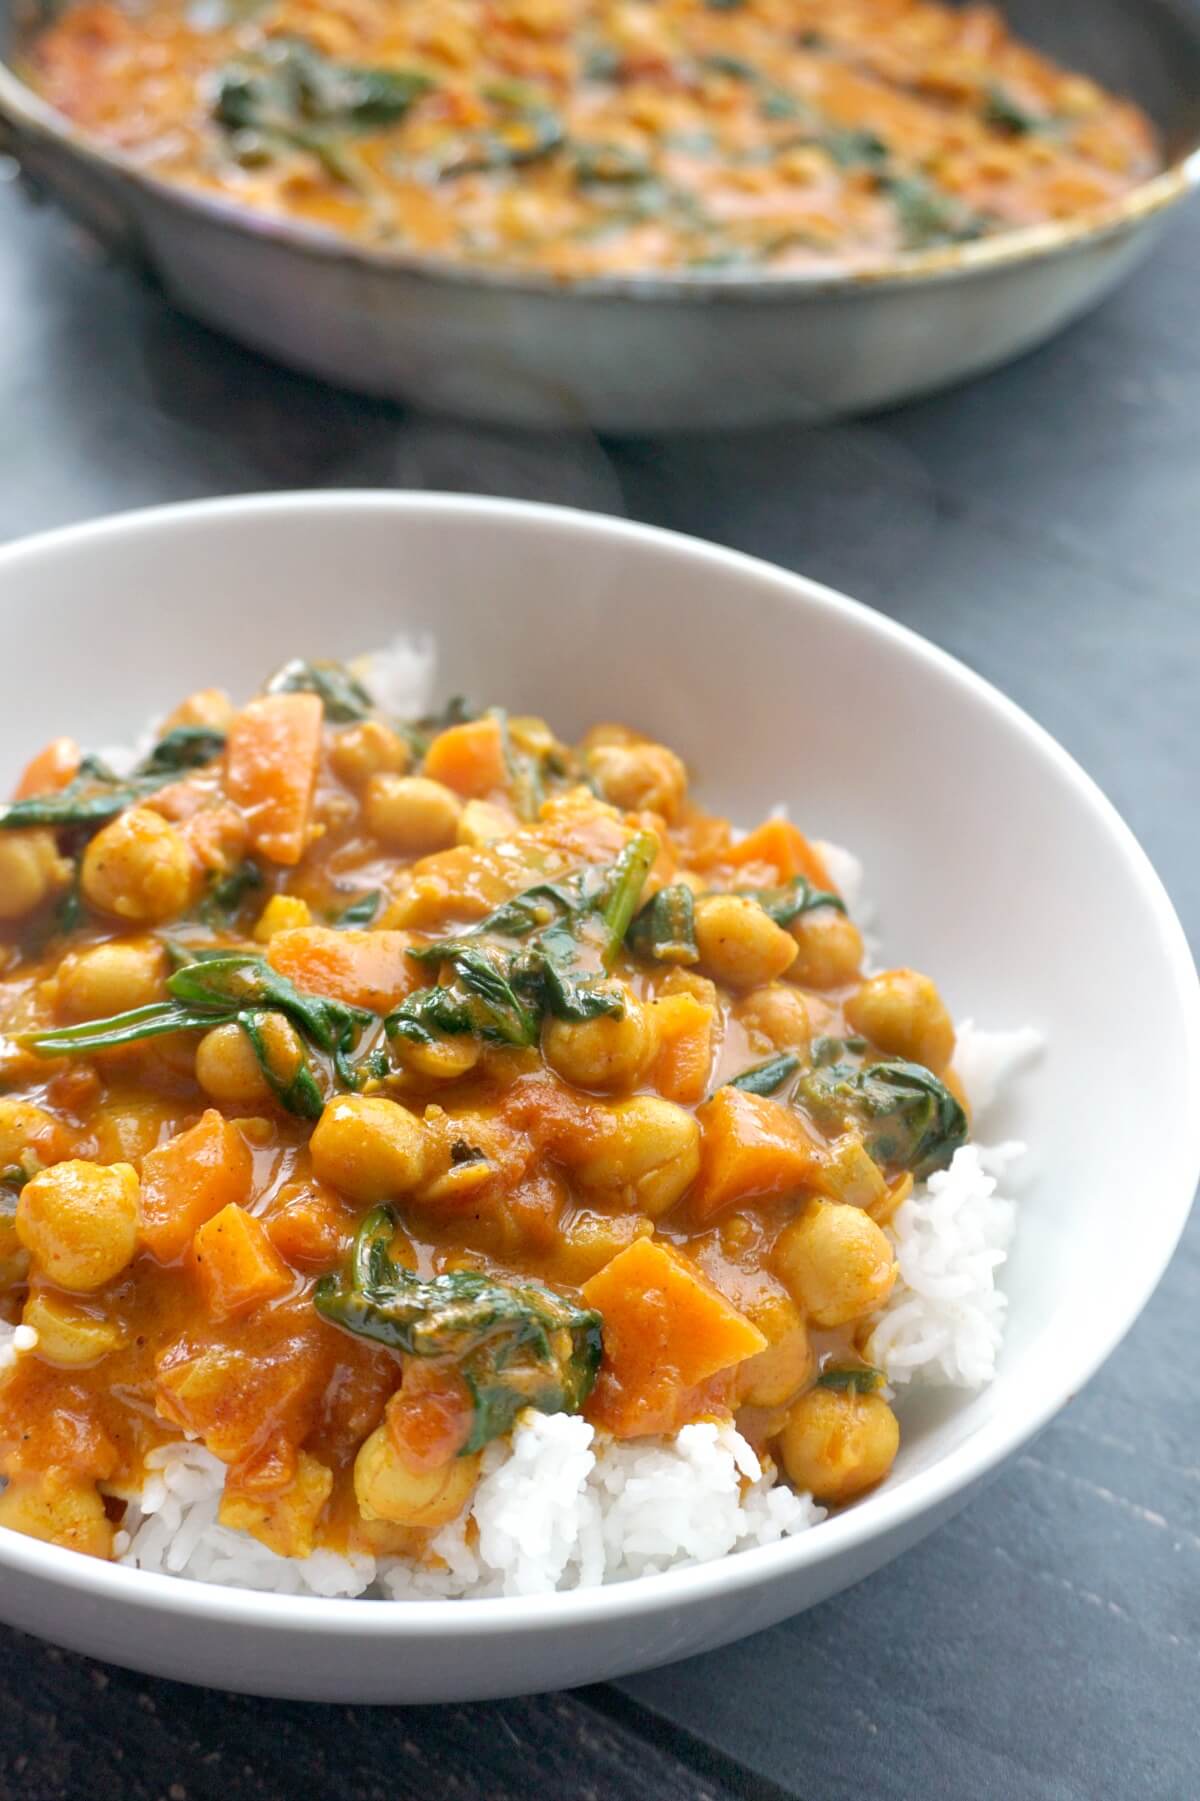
[{"x": 998, "y": 865}]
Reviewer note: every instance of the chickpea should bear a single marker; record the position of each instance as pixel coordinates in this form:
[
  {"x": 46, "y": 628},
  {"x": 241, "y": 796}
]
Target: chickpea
[
  {"x": 777, "y": 1014},
  {"x": 207, "y": 706},
  {"x": 59, "y": 1508},
  {"x": 639, "y": 776},
  {"x": 111, "y": 978},
  {"x": 30, "y": 871},
  {"x": 648, "y": 1152},
  {"x": 739, "y": 943},
  {"x": 772, "y": 1377},
  {"x": 371, "y": 748},
  {"x": 837, "y": 1443},
  {"x": 903, "y": 1013},
  {"x": 228, "y": 1069},
  {"x": 140, "y": 867},
  {"x": 78, "y": 1221},
  {"x": 387, "y": 1488},
  {"x": 68, "y": 1334},
  {"x": 448, "y": 1057},
  {"x": 831, "y": 949},
  {"x": 26, "y": 1129},
  {"x": 835, "y": 1262},
  {"x": 368, "y": 1148},
  {"x": 411, "y": 814},
  {"x": 607, "y": 1052}
]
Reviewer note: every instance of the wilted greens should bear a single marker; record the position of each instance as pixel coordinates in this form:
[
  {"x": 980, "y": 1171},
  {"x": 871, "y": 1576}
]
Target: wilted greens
[
  {"x": 665, "y": 930},
  {"x": 217, "y": 987},
  {"x": 96, "y": 793},
  {"x": 856, "y": 1378},
  {"x": 515, "y": 1344},
  {"x": 343, "y": 695},
  {"x": 766, "y": 1077},
  {"x": 788, "y": 901},
  {"x": 500, "y": 992},
  {"x": 909, "y": 1120},
  {"x": 290, "y": 95}
]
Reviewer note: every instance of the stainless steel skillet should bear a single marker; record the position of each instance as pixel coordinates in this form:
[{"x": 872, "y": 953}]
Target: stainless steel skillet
[{"x": 641, "y": 354}]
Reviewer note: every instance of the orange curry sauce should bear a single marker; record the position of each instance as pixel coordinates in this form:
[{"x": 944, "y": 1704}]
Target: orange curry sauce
[
  {"x": 592, "y": 137},
  {"x": 168, "y": 1205}
]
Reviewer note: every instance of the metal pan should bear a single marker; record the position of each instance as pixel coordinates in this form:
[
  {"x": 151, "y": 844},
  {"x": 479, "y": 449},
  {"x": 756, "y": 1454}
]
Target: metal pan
[{"x": 641, "y": 354}]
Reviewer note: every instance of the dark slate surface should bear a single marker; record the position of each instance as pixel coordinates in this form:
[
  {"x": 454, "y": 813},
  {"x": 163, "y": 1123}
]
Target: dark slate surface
[{"x": 1045, "y": 526}]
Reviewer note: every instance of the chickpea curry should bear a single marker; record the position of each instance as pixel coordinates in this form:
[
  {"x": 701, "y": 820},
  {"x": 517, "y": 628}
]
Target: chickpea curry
[
  {"x": 367, "y": 1082},
  {"x": 595, "y": 137}
]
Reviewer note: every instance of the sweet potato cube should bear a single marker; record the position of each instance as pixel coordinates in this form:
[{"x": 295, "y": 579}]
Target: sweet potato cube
[
  {"x": 285, "y": 1522},
  {"x": 271, "y": 758},
  {"x": 238, "y": 1266},
  {"x": 188, "y": 1180},
  {"x": 666, "y": 1328},
  {"x": 239, "y": 1399},
  {"x": 469, "y": 758},
  {"x": 752, "y": 1149},
  {"x": 53, "y": 767},
  {"x": 779, "y": 843},
  {"x": 683, "y": 1025},
  {"x": 362, "y": 968}
]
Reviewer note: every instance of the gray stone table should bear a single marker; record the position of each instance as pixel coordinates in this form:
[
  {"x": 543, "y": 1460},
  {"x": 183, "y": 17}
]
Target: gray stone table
[{"x": 1044, "y": 525}]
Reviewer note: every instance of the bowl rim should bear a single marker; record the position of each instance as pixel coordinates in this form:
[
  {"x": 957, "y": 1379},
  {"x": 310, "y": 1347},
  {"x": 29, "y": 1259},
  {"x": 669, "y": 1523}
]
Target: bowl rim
[
  {"x": 25, "y": 111},
  {"x": 886, "y": 1511}
]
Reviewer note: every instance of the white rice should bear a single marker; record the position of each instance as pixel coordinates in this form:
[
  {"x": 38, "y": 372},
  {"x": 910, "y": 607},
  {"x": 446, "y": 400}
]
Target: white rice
[
  {"x": 562, "y": 1506},
  {"x": 400, "y": 677}
]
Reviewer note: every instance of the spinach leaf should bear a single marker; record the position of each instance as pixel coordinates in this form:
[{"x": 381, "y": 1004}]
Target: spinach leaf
[
  {"x": 184, "y": 747},
  {"x": 665, "y": 930},
  {"x": 859, "y": 1378},
  {"x": 1003, "y": 111},
  {"x": 229, "y": 891},
  {"x": 235, "y": 980},
  {"x": 824, "y": 1051},
  {"x": 849, "y": 147},
  {"x": 791, "y": 899},
  {"x": 480, "y": 1002},
  {"x": 909, "y": 1119},
  {"x": 517, "y": 1344},
  {"x": 219, "y": 987},
  {"x": 501, "y": 993},
  {"x": 362, "y": 911},
  {"x": 291, "y": 89},
  {"x": 928, "y": 217},
  {"x": 766, "y": 1077},
  {"x": 526, "y": 912},
  {"x": 597, "y": 164},
  {"x": 345, "y": 699},
  {"x": 525, "y": 131},
  {"x": 291, "y": 1081},
  {"x": 546, "y": 972},
  {"x": 624, "y": 889},
  {"x": 526, "y": 773},
  {"x": 95, "y": 794}
]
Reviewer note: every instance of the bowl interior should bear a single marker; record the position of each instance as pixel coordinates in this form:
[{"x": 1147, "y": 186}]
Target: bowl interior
[{"x": 994, "y": 863}]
